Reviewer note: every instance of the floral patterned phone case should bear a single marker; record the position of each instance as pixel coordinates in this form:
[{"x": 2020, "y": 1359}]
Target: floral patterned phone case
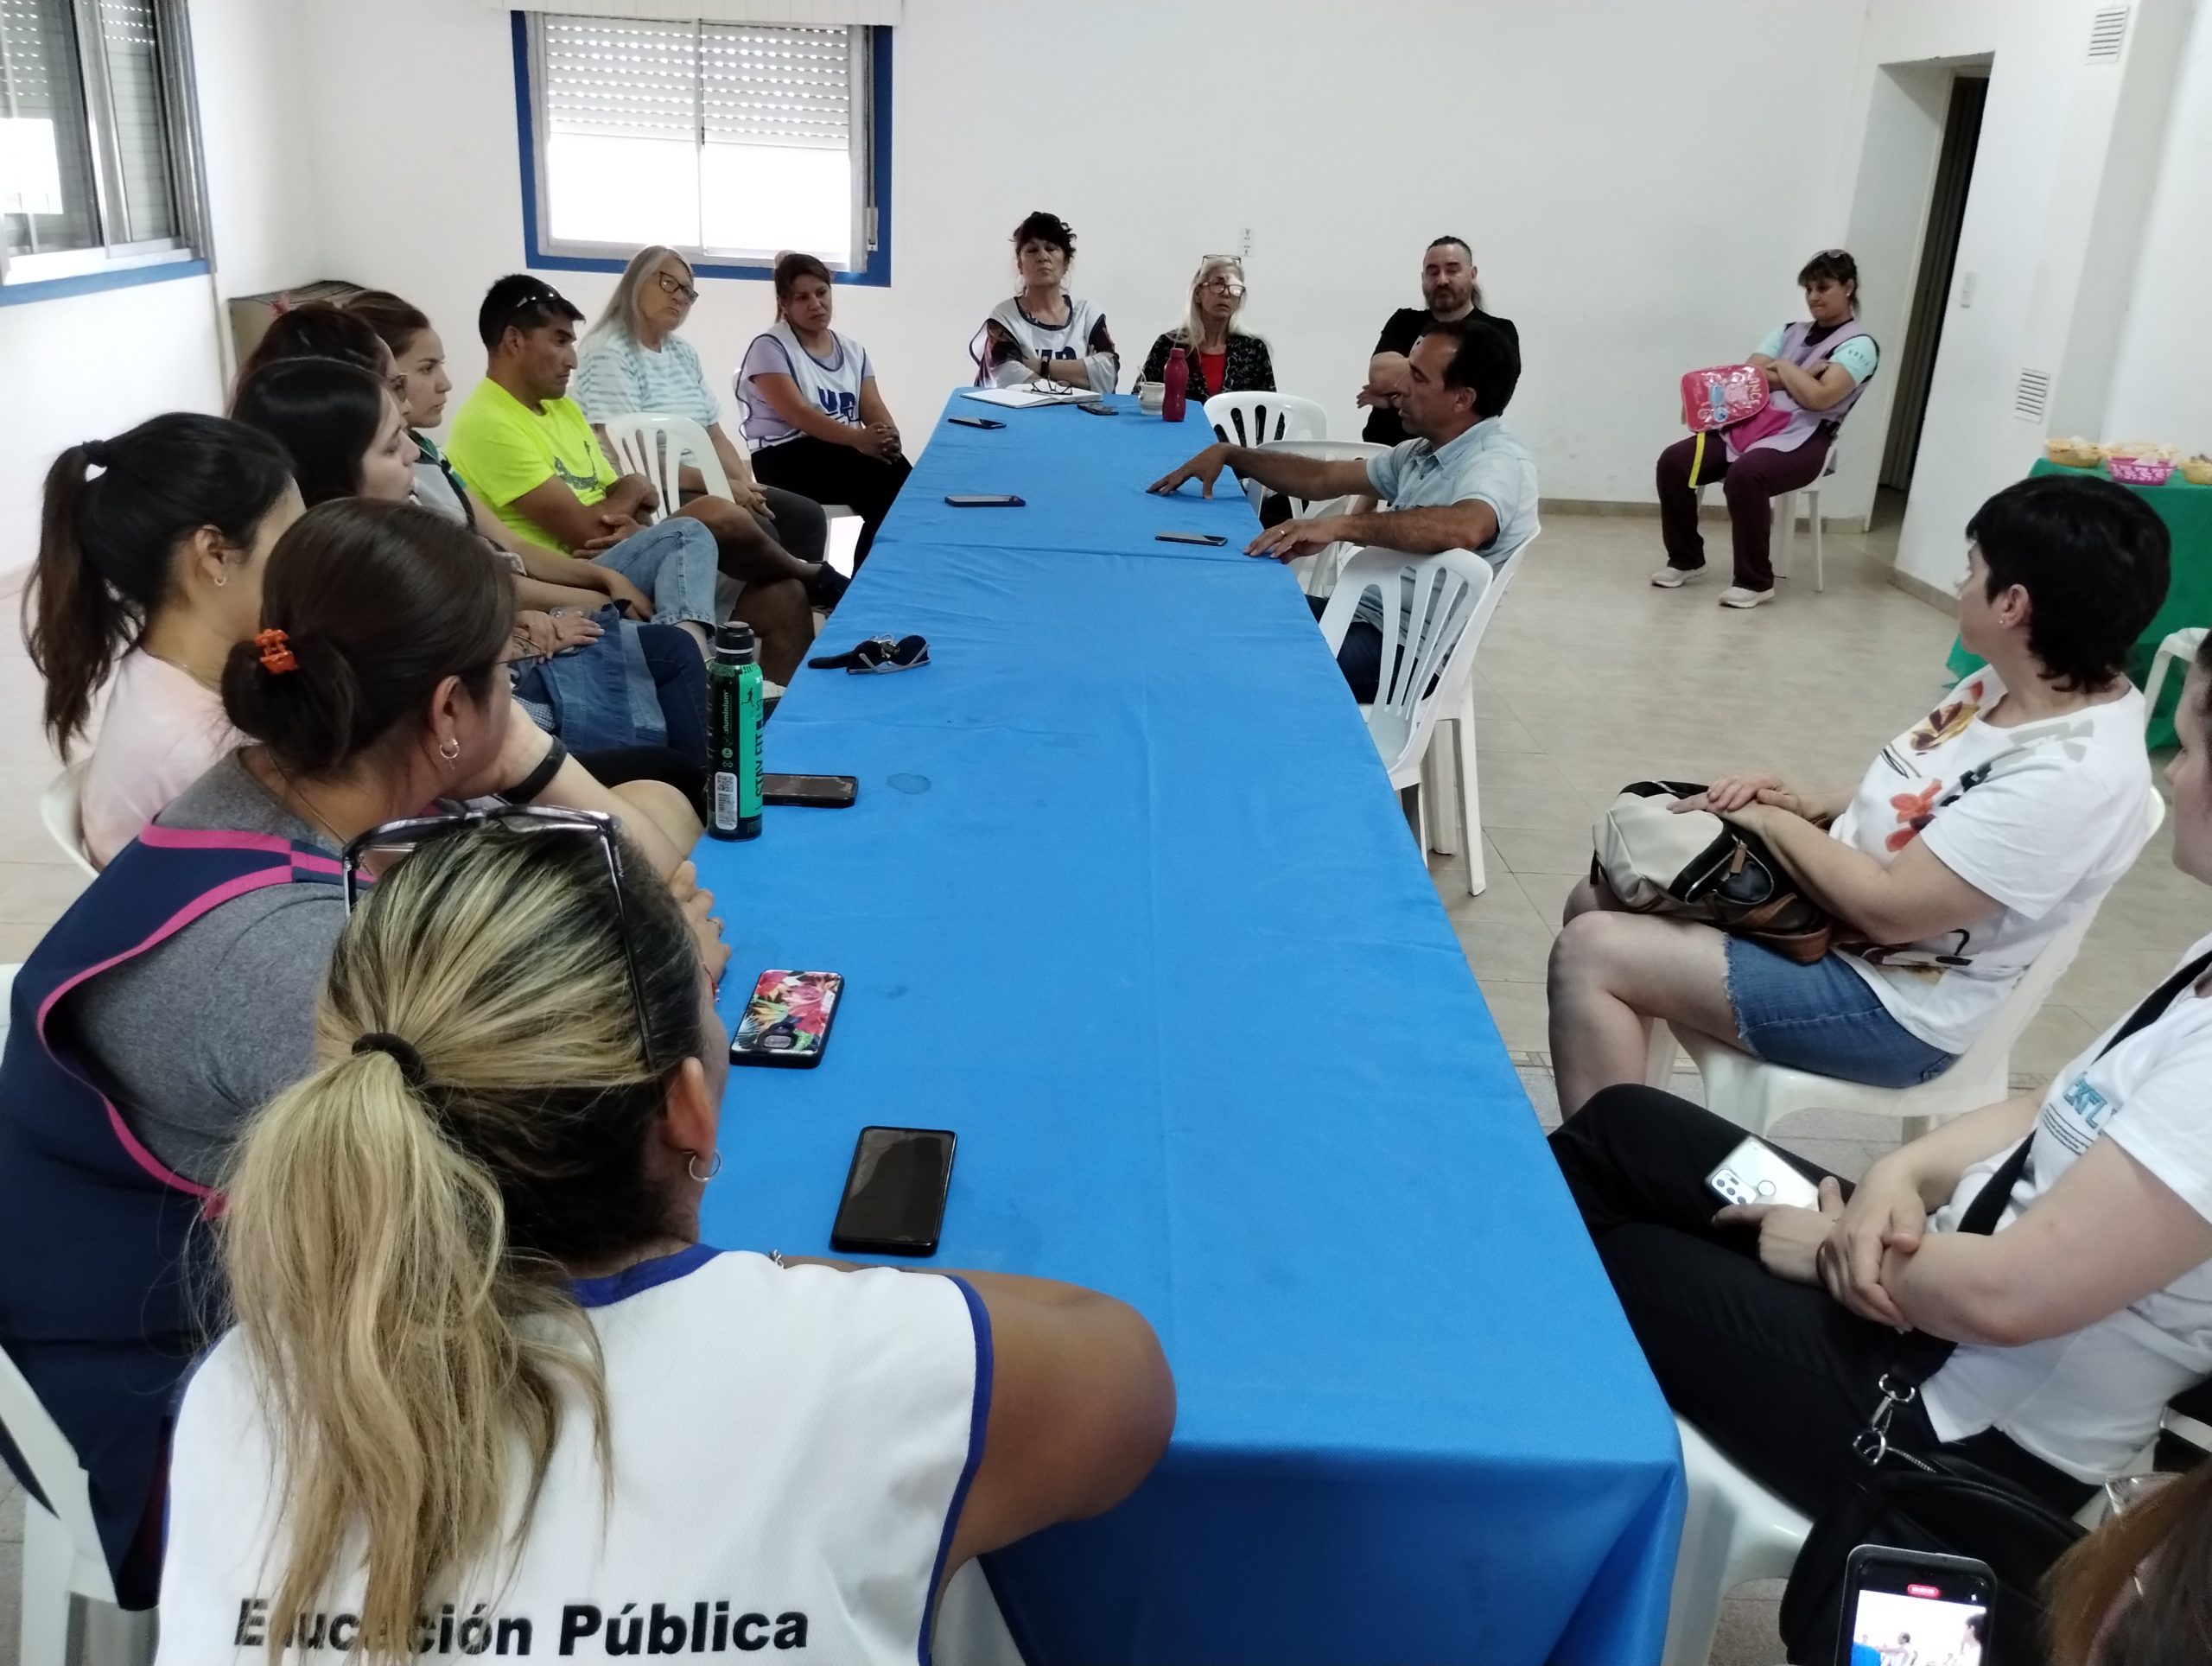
[{"x": 787, "y": 1021}]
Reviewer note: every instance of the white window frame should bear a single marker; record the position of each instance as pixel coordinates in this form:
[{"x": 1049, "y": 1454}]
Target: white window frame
[
  {"x": 181, "y": 116},
  {"x": 868, "y": 79}
]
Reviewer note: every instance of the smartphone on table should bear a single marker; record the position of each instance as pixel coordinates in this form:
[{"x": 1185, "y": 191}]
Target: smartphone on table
[
  {"x": 983, "y": 501},
  {"x": 810, "y": 791},
  {"x": 1756, "y": 1173},
  {"x": 976, "y": 421},
  {"x": 1212, "y": 539},
  {"x": 894, "y": 1193},
  {"x": 787, "y": 1020},
  {"x": 1914, "y": 1606}
]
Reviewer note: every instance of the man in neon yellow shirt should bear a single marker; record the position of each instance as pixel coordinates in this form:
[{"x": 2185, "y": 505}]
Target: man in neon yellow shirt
[{"x": 523, "y": 444}]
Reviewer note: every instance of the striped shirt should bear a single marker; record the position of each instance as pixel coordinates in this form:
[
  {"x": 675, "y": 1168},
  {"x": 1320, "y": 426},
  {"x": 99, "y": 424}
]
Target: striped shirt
[{"x": 616, "y": 377}]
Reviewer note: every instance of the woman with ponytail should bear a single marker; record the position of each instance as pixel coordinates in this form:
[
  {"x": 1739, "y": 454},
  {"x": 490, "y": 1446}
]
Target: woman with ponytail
[
  {"x": 489, "y": 1393},
  {"x": 176, "y": 995},
  {"x": 149, "y": 571}
]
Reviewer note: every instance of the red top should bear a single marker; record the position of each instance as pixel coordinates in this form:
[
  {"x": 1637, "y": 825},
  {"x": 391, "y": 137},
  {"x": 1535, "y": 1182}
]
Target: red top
[{"x": 1213, "y": 371}]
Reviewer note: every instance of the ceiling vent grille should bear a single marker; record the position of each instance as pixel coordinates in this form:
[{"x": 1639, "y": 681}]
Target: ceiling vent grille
[
  {"x": 2031, "y": 399},
  {"x": 2108, "y": 34}
]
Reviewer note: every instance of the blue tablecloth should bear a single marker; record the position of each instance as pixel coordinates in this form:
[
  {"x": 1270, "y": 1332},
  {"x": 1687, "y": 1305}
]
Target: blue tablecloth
[{"x": 1128, "y": 902}]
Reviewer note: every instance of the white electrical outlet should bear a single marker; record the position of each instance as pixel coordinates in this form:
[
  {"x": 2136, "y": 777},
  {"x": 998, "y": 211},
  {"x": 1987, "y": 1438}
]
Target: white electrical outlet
[{"x": 1246, "y": 251}]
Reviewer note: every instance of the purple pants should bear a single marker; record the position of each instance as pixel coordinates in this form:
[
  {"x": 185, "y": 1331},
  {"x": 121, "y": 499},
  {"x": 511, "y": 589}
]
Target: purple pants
[{"x": 1750, "y": 484}]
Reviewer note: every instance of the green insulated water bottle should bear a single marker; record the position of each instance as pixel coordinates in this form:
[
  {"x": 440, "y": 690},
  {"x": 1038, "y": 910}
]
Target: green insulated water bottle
[{"x": 733, "y": 732}]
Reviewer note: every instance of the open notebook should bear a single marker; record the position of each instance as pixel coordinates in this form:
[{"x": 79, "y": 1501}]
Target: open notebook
[{"x": 1027, "y": 394}]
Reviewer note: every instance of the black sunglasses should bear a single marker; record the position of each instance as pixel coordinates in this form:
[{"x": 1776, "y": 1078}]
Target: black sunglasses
[
  {"x": 879, "y": 653},
  {"x": 401, "y": 838}
]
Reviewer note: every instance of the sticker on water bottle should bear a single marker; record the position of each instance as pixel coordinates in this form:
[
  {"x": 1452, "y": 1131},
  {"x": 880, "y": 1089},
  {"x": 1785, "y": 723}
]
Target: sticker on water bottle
[{"x": 726, "y": 811}]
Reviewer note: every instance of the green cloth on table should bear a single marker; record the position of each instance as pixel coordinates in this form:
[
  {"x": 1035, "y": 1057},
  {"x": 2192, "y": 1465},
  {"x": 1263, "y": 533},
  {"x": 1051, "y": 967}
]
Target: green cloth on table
[{"x": 2187, "y": 512}]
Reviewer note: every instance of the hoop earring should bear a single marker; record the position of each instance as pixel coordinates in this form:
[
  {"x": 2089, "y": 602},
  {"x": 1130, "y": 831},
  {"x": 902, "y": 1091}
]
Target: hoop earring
[
  {"x": 691, "y": 1167},
  {"x": 450, "y": 748},
  {"x": 221, "y": 579}
]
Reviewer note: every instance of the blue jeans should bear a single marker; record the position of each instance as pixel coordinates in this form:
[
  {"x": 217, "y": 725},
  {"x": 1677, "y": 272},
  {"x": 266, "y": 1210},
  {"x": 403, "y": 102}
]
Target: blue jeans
[
  {"x": 674, "y": 562},
  {"x": 1360, "y": 659},
  {"x": 1823, "y": 1018}
]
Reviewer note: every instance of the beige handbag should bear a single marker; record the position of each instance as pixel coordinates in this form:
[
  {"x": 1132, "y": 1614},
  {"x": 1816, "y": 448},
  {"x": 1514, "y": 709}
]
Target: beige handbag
[{"x": 1696, "y": 866}]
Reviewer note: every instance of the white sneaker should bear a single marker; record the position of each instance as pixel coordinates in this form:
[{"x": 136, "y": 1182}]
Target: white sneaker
[
  {"x": 1736, "y": 596},
  {"x": 1672, "y": 578}
]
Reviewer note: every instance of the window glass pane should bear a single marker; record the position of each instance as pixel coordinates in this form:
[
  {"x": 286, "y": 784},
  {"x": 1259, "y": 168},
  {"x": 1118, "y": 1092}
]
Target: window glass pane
[
  {"x": 631, "y": 191},
  {"x": 622, "y": 122},
  {"x": 132, "y": 55},
  {"x": 763, "y": 199},
  {"x": 46, "y": 200}
]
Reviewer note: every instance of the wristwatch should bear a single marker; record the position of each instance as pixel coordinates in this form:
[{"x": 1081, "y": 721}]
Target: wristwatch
[{"x": 526, "y": 790}]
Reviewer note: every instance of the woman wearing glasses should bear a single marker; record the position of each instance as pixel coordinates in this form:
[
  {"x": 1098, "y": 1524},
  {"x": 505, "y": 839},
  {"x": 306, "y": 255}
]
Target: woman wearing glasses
[
  {"x": 632, "y": 360},
  {"x": 1223, "y": 359},
  {"x": 813, "y": 414},
  {"x": 176, "y": 996},
  {"x": 473, "y": 1236},
  {"x": 630, "y": 699},
  {"x": 1815, "y": 371}
]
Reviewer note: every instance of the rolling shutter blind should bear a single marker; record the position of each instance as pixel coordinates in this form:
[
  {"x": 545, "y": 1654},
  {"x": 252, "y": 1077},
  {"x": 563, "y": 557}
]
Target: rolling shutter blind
[{"x": 712, "y": 83}]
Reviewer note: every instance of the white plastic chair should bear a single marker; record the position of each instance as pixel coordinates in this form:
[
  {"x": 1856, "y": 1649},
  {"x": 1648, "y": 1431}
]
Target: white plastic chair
[
  {"x": 2183, "y": 646},
  {"x": 61, "y": 807},
  {"x": 657, "y": 447},
  {"x": 1735, "y": 1531},
  {"x": 1461, "y": 717},
  {"x": 62, "y": 1558},
  {"x": 1811, "y": 495},
  {"x": 1261, "y": 419},
  {"x": 1420, "y": 676},
  {"x": 1755, "y": 1096},
  {"x": 1317, "y": 573}
]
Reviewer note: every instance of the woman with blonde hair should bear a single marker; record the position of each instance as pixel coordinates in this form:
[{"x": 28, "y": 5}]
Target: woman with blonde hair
[
  {"x": 1223, "y": 359},
  {"x": 632, "y": 360},
  {"x": 488, "y": 1393}
]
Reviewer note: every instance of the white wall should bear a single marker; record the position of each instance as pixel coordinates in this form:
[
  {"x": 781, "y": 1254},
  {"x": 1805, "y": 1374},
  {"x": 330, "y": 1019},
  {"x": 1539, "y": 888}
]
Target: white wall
[
  {"x": 89, "y": 365},
  {"x": 1345, "y": 137},
  {"x": 2162, "y": 380},
  {"x": 2050, "y": 235}
]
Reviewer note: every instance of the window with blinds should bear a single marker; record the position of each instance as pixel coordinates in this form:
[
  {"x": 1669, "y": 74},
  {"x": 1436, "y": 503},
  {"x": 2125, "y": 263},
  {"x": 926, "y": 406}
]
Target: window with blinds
[
  {"x": 96, "y": 146},
  {"x": 732, "y": 141}
]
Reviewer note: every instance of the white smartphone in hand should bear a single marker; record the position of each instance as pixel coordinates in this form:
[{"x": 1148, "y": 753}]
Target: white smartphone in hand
[{"x": 1755, "y": 1172}]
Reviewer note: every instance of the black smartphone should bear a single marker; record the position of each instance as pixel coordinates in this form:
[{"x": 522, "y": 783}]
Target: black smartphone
[
  {"x": 811, "y": 791},
  {"x": 1214, "y": 538},
  {"x": 976, "y": 421},
  {"x": 983, "y": 501},
  {"x": 1913, "y": 1604},
  {"x": 894, "y": 1193},
  {"x": 787, "y": 1021},
  {"x": 1098, "y": 407}
]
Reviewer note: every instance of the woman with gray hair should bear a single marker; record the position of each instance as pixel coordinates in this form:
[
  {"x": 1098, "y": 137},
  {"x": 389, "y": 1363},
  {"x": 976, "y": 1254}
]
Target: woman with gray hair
[
  {"x": 632, "y": 360},
  {"x": 1223, "y": 359}
]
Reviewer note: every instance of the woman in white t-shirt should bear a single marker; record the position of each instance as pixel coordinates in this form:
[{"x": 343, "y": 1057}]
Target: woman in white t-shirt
[
  {"x": 813, "y": 414},
  {"x": 1974, "y": 839},
  {"x": 486, "y": 1377},
  {"x": 150, "y": 565},
  {"x": 2085, "y": 1309}
]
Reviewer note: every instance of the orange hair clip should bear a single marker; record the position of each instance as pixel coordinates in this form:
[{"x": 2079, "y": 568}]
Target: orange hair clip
[{"x": 276, "y": 656}]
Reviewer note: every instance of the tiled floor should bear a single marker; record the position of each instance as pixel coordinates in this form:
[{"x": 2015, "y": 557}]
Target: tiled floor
[{"x": 1590, "y": 678}]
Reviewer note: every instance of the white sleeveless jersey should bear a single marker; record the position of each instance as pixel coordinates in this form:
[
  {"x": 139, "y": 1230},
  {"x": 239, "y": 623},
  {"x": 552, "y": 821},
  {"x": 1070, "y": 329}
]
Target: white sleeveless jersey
[
  {"x": 836, "y": 392},
  {"x": 790, "y": 1452},
  {"x": 1083, "y": 337}
]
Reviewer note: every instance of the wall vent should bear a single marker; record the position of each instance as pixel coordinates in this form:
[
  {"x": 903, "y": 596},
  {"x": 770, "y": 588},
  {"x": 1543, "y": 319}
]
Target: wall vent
[
  {"x": 2031, "y": 399},
  {"x": 2108, "y": 34}
]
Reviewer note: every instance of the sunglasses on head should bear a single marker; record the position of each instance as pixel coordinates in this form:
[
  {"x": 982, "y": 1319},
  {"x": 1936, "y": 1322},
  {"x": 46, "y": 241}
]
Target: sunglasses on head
[{"x": 394, "y": 841}]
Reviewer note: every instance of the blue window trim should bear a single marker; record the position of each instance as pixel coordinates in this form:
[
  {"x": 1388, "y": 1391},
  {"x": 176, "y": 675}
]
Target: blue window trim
[
  {"x": 875, "y": 275},
  {"x": 53, "y": 289}
]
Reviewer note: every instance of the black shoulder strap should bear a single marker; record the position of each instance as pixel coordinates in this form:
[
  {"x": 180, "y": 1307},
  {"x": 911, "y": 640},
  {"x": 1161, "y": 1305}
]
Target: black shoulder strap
[{"x": 1920, "y": 1355}]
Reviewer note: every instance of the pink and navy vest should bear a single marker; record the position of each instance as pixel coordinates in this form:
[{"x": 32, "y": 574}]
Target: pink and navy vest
[
  {"x": 1801, "y": 423},
  {"x": 106, "y": 1286}
]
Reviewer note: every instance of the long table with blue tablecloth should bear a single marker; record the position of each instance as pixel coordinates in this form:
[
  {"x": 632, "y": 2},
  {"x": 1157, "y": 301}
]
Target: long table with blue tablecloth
[{"x": 1127, "y": 901}]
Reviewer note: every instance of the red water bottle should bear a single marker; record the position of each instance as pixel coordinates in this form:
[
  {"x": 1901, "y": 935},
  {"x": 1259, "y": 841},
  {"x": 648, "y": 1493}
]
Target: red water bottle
[{"x": 1176, "y": 378}]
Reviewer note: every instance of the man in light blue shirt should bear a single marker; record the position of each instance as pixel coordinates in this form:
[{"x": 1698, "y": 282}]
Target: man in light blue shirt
[{"x": 1462, "y": 482}]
